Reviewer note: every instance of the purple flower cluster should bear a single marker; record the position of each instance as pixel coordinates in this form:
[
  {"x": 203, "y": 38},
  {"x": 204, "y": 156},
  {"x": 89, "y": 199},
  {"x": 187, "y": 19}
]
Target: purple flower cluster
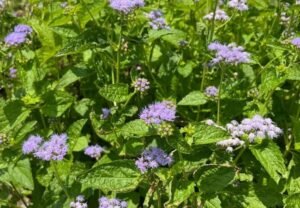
[
  {"x": 18, "y": 36},
  {"x": 230, "y": 54},
  {"x": 157, "y": 21},
  {"x": 256, "y": 127},
  {"x": 141, "y": 84},
  {"x": 153, "y": 158},
  {"x": 105, "y": 113},
  {"x": 12, "y": 73},
  {"x": 211, "y": 91},
  {"x": 220, "y": 15},
  {"x": 79, "y": 202},
  {"x": 105, "y": 202},
  {"x": 94, "y": 151},
  {"x": 296, "y": 42},
  {"x": 158, "y": 112},
  {"x": 126, "y": 6},
  {"x": 240, "y": 5},
  {"x": 54, "y": 149}
]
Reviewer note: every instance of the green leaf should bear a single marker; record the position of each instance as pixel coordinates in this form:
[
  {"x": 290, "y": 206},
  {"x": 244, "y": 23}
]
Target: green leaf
[
  {"x": 15, "y": 113},
  {"x": 76, "y": 141},
  {"x": 186, "y": 69},
  {"x": 205, "y": 134},
  {"x": 181, "y": 191},
  {"x": 72, "y": 76},
  {"x": 117, "y": 176},
  {"x": 115, "y": 92},
  {"x": 20, "y": 174},
  {"x": 26, "y": 128},
  {"x": 194, "y": 98},
  {"x": 214, "y": 178},
  {"x": 56, "y": 103},
  {"x": 292, "y": 201},
  {"x": 270, "y": 157},
  {"x": 293, "y": 73},
  {"x": 213, "y": 203},
  {"x": 135, "y": 128}
]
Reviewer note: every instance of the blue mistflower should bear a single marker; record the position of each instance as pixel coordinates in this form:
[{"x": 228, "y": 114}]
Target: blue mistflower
[
  {"x": 18, "y": 36},
  {"x": 158, "y": 112},
  {"x": 32, "y": 144},
  {"x": 211, "y": 91},
  {"x": 126, "y": 6},
  {"x": 94, "y": 151},
  {"x": 105, "y": 202},
  {"x": 230, "y": 54},
  {"x": 153, "y": 158},
  {"x": 296, "y": 42}
]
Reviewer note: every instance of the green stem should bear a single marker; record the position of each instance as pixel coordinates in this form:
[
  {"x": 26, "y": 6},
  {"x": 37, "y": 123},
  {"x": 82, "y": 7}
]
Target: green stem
[
  {"x": 119, "y": 53},
  {"x": 61, "y": 183},
  {"x": 239, "y": 155},
  {"x": 219, "y": 97},
  {"x": 211, "y": 31},
  {"x": 19, "y": 195},
  {"x": 158, "y": 197},
  {"x": 88, "y": 10},
  {"x": 43, "y": 119},
  {"x": 201, "y": 89}
]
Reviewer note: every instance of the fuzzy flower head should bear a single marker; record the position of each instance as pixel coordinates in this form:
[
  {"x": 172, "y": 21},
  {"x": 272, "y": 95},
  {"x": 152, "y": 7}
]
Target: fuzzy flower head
[
  {"x": 296, "y": 42},
  {"x": 32, "y": 144},
  {"x": 141, "y": 84},
  {"x": 240, "y": 5},
  {"x": 54, "y": 149},
  {"x": 12, "y": 73},
  {"x": 230, "y": 54},
  {"x": 153, "y": 158},
  {"x": 126, "y": 6},
  {"x": 250, "y": 129},
  {"x": 94, "y": 151},
  {"x": 18, "y": 36},
  {"x": 157, "y": 20},
  {"x": 21, "y": 28},
  {"x": 79, "y": 202},
  {"x": 211, "y": 91},
  {"x": 219, "y": 16},
  {"x": 158, "y": 112},
  {"x": 105, "y": 113},
  {"x": 105, "y": 202}
]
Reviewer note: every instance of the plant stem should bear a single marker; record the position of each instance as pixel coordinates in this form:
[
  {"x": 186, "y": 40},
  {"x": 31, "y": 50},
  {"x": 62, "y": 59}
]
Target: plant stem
[
  {"x": 119, "y": 53},
  {"x": 201, "y": 89},
  {"x": 211, "y": 31},
  {"x": 239, "y": 155},
  {"x": 219, "y": 97},
  {"x": 61, "y": 183},
  {"x": 19, "y": 195}
]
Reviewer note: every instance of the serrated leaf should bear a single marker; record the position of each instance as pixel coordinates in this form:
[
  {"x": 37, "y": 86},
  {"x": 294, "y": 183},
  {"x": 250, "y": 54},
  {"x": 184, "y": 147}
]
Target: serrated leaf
[
  {"x": 181, "y": 191},
  {"x": 186, "y": 69},
  {"x": 213, "y": 203},
  {"x": 205, "y": 134},
  {"x": 56, "y": 103},
  {"x": 117, "y": 176},
  {"x": 27, "y": 128},
  {"x": 270, "y": 157},
  {"x": 115, "y": 92},
  {"x": 214, "y": 178},
  {"x": 72, "y": 76},
  {"x": 76, "y": 141},
  {"x": 292, "y": 201},
  {"x": 135, "y": 128},
  {"x": 20, "y": 174},
  {"x": 194, "y": 98}
]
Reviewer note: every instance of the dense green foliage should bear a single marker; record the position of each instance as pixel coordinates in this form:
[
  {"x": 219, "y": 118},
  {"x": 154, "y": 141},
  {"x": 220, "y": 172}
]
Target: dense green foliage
[{"x": 85, "y": 56}]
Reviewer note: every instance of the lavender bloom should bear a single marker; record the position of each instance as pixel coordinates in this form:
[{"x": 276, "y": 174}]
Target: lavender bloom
[
  {"x": 296, "y": 42},
  {"x": 230, "y": 54},
  {"x": 126, "y": 6},
  {"x": 220, "y": 15},
  {"x": 157, "y": 20},
  {"x": 211, "y": 91},
  {"x": 153, "y": 158},
  {"x": 240, "y": 5},
  {"x": 14, "y": 38},
  {"x": 105, "y": 202},
  {"x": 54, "y": 149},
  {"x": 256, "y": 127},
  {"x": 158, "y": 112},
  {"x": 105, "y": 113},
  {"x": 79, "y": 202},
  {"x": 141, "y": 84},
  {"x": 12, "y": 73},
  {"x": 94, "y": 151},
  {"x": 21, "y": 28},
  {"x": 32, "y": 144}
]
